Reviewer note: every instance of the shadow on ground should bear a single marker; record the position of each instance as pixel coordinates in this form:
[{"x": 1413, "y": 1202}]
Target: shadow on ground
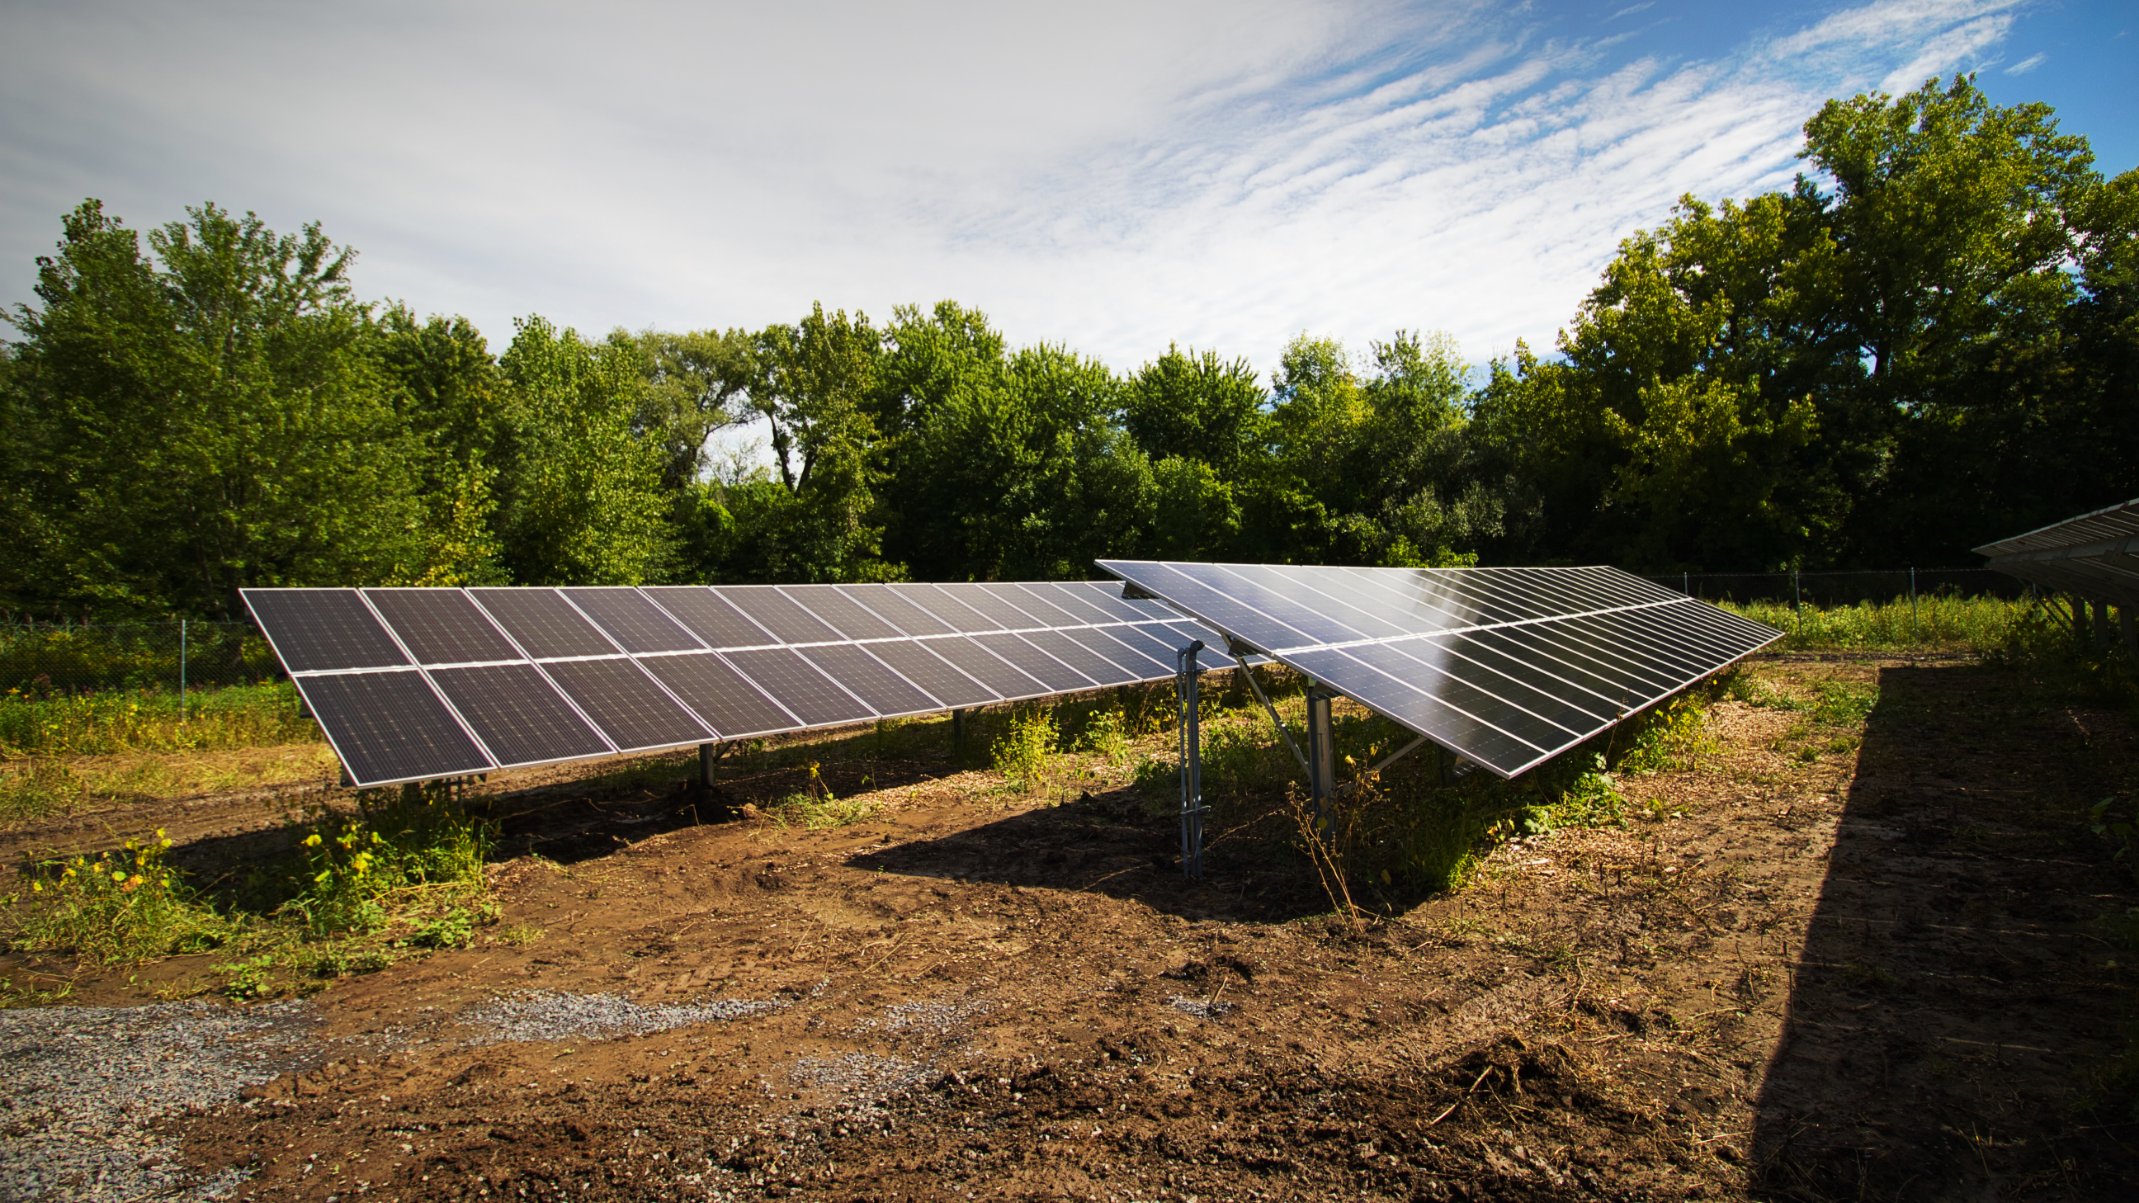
[
  {"x": 1955, "y": 994},
  {"x": 1110, "y": 843}
]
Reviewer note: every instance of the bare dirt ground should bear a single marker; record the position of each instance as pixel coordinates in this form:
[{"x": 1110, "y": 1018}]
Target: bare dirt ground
[{"x": 1883, "y": 972}]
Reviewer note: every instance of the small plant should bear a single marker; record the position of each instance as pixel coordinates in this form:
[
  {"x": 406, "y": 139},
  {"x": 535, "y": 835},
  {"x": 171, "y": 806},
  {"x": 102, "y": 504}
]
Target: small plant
[
  {"x": 1673, "y": 737},
  {"x": 1025, "y": 753},
  {"x": 1591, "y": 800},
  {"x": 814, "y": 813},
  {"x": 399, "y": 846},
  {"x": 118, "y": 906},
  {"x": 1106, "y": 733}
]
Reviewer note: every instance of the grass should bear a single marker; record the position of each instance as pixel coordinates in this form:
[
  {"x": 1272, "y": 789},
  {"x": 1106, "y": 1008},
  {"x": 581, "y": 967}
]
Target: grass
[
  {"x": 351, "y": 892},
  {"x": 91, "y": 724},
  {"x": 59, "y": 753},
  {"x": 1937, "y": 622}
]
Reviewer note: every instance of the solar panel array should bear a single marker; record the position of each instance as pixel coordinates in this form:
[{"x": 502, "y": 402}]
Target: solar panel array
[
  {"x": 410, "y": 684},
  {"x": 1507, "y": 667},
  {"x": 2095, "y": 555}
]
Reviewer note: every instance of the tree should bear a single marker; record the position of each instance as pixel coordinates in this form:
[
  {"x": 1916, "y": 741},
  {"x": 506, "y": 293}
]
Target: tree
[
  {"x": 1197, "y": 407},
  {"x": 201, "y": 418},
  {"x": 580, "y": 500}
]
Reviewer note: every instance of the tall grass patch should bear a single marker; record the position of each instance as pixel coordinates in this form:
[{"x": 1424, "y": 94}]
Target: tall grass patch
[
  {"x": 91, "y": 724},
  {"x": 1936, "y": 622}
]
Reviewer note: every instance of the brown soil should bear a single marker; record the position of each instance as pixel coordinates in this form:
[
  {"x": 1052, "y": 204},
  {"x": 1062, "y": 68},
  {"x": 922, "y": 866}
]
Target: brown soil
[{"x": 1883, "y": 973}]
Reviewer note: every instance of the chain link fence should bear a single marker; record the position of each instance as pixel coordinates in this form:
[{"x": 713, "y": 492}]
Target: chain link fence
[
  {"x": 1843, "y": 588},
  {"x": 49, "y": 659}
]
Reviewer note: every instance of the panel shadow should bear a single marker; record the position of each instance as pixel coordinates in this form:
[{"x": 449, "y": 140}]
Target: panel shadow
[{"x": 1954, "y": 992}]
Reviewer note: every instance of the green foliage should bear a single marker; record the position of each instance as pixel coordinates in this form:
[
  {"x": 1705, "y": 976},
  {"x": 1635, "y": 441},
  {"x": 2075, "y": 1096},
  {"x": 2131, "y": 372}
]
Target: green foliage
[
  {"x": 580, "y": 498},
  {"x": 1672, "y": 737},
  {"x": 1106, "y": 732},
  {"x": 1937, "y": 622},
  {"x": 151, "y": 721},
  {"x": 114, "y": 907},
  {"x": 1025, "y": 753},
  {"x": 198, "y": 417},
  {"x": 401, "y": 848}
]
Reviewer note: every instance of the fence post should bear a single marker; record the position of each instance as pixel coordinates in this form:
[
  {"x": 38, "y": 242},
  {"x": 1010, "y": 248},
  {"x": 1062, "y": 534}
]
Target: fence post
[
  {"x": 181, "y": 670},
  {"x": 1686, "y": 583},
  {"x": 1913, "y": 638}
]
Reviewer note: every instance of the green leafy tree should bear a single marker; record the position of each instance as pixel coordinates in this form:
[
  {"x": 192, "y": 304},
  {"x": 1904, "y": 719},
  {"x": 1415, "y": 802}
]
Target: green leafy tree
[
  {"x": 1197, "y": 407},
  {"x": 200, "y": 417},
  {"x": 580, "y": 498}
]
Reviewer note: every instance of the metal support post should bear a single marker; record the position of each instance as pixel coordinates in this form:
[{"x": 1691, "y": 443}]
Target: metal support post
[
  {"x": 958, "y": 735},
  {"x": 2101, "y": 626},
  {"x": 1321, "y": 759},
  {"x": 1185, "y": 679},
  {"x": 2130, "y": 630},
  {"x": 181, "y": 670},
  {"x": 2079, "y": 620},
  {"x": 705, "y": 766},
  {"x": 1797, "y": 601}
]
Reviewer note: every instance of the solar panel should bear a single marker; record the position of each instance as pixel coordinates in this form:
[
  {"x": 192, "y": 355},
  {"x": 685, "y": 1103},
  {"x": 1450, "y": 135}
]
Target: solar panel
[
  {"x": 630, "y": 707},
  {"x": 323, "y": 629},
  {"x": 2095, "y": 555},
  {"x": 799, "y": 686},
  {"x": 518, "y": 714},
  {"x": 708, "y": 615},
  {"x": 723, "y": 697},
  {"x": 632, "y": 619},
  {"x": 390, "y": 726},
  {"x": 442, "y": 626},
  {"x": 519, "y": 676},
  {"x": 1505, "y": 666},
  {"x": 543, "y": 623}
]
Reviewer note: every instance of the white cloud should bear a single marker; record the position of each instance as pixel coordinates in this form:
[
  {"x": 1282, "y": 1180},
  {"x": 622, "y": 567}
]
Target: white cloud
[
  {"x": 1223, "y": 173},
  {"x": 2027, "y": 64}
]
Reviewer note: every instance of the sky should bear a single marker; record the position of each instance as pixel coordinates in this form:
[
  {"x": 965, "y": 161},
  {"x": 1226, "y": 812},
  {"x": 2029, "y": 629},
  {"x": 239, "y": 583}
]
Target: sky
[{"x": 1114, "y": 177}]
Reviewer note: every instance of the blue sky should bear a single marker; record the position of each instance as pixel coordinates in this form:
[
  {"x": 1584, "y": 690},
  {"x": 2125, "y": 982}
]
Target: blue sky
[{"x": 1113, "y": 176}]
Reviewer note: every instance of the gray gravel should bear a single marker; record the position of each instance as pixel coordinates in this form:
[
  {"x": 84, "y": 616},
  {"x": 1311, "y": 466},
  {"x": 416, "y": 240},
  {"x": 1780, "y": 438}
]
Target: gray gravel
[
  {"x": 1202, "y": 1008},
  {"x": 81, "y": 1086},
  {"x": 558, "y": 1015}
]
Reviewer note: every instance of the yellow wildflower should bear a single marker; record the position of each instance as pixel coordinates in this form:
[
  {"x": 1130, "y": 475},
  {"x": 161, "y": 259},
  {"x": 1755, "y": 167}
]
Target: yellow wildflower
[{"x": 312, "y": 840}]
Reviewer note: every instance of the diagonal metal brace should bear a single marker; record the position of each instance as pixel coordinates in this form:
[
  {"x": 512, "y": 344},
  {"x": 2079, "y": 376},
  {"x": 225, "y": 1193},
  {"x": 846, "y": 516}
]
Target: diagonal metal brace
[
  {"x": 1260, "y": 696},
  {"x": 1416, "y": 743}
]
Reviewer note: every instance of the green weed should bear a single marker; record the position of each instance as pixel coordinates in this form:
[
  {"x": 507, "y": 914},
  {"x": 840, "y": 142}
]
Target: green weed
[
  {"x": 1674, "y": 736},
  {"x": 1024, "y": 754},
  {"x": 151, "y": 721},
  {"x": 1106, "y": 732},
  {"x": 1937, "y": 623},
  {"x": 120, "y": 906}
]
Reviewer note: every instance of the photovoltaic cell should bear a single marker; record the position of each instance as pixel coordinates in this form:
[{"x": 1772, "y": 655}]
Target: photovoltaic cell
[
  {"x": 806, "y": 693},
  {"x": 720, "y": 695},
  {"x": 629, "y": 706},
  {"x": 1030, "y": 660},
  {"x": 896, "y": 607},
  {"x": 442, "y": 626},
  {"x": 518, "y": 715},
  {"x": 708, "y": 615},
  {"x": 868, "y": 678},
  {"x": 1107, "y": 654},
  {"x": 543, "y": 622},
  {"x": 1045, "y": 613},
  {"x": 780, "y": 614},
  {"x": 975, "y": 660},
  {"x": 847, "y": 616},
  {"x": 322, "y": 629},
  {"x": 948, "y": 608},
  {"x": 390, "y": 726},
  {"x": 919, "y": 663},
  {"x": 1122, "y": 645},
  {"x": 632, "y": 619},
  {"x": 993, "y": 606}
]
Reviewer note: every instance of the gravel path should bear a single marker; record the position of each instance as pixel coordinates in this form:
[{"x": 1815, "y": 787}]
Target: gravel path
[
  {"x": 84, "y": 1085},
  {"x": 556, "y": 1015}
]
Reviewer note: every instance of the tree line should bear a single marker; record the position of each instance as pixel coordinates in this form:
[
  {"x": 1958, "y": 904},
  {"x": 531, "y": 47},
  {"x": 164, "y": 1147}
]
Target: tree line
[{"x": 1930, "y": 340}]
